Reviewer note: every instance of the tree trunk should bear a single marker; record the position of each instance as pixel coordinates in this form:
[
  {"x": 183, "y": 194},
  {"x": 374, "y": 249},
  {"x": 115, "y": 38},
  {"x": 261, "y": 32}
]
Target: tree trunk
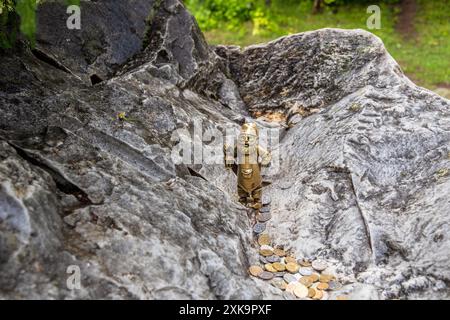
[{"x": 317, "y": 7}]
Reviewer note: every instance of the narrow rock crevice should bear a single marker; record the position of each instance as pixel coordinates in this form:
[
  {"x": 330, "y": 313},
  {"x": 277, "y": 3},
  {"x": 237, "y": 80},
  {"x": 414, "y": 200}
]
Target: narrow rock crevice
[
  {"x": 42, "y": 56},
  {"x": 62, "y": 183},
  {"x": 196, "y": 173},
  {"x": 363, "y": 217}
]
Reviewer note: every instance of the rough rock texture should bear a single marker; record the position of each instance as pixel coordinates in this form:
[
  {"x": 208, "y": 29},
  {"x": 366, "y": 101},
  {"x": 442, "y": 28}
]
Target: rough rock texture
[
  {"x": 363, "y": 176},
  {"x": 81, "y": 188},
  {"x": 110, "y": 34},
  {"x": 364, "y": 179}
]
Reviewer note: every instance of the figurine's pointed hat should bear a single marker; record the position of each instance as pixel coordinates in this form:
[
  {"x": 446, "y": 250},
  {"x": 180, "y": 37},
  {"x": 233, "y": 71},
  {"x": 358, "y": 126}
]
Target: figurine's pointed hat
[{"x": 250, "y": 128}]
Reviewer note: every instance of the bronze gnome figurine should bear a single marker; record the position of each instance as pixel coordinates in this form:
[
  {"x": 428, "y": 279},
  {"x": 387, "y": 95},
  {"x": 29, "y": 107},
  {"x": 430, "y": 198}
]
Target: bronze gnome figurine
[{"x": 246, "y": 159}]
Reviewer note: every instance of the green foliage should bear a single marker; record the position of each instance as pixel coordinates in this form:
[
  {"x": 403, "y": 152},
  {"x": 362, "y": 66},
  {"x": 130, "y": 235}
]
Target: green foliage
[
  {"x": 424, "y": 57},
  {"x": 211, "y": 13},
  {"x": 7, "y": 31},
  {"x": 231, "y": 14},
  {"x": 357, "y": 2},
  {"x": 6, "y": 6},
  {"x": 26, "y": 9}
]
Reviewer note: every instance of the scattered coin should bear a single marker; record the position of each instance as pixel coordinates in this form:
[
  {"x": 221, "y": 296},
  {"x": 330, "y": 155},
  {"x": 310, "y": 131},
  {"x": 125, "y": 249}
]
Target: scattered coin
[
  {"x": 322, "y": 286},
  {"x": 266, "y": 253},
  {"x": 311, "y": 292},
  {"x": 302, "y": 280},
  {"x": 269, "y": 267},
  {"x": 319, "y": 265},
  {"x": 306, "y": 281},
  {"x": 273, "y": 258},
  {"x": 265, "y": 275},
  {"x": 290, "y": 259},
  {"x": 334, "y": 285},
  {"x": 326, "y": 278},
  {"x": 305, "y": 271},
  {"x": 314, "y": 277},
  {"x": 259, "y": 227},
  {"x": 279, "y": 283},
  {"x": 304, "y": 263},
  {"x": 279, "y": 252},
  {"x": 301, "y": 291},
  {"x": 264, "y": 239},
  {"x": 289, "y": 278},
  {"x": 266, "y": 199},
  {"x": 255, "y": 270},
  {"x": 265, "y": 209},
  {"x": 279, "y": 266},
  {"x": 292, "y": 267},
  {"x": 291, "y": 286},
  {"x": 264, "y": 216},
  {"x": 318, "y": 295},
  {"x": 266, "y": 247}
]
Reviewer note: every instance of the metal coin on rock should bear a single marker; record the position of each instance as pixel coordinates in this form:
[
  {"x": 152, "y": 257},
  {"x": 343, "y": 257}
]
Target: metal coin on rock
[
  {"x": 301, "y": 291},
  {"x": 289, "y": 278},
  {"x": 266, "y": 247},
  {"x": 292, "y": 267},
  {"x": 273, "y": 259},
  {"x": 266, "y": 199},
  {"x": 264, "y": 209},
  {"x": 259, "y": 227},
  {"x": 264, "y": 216},
  {"x": 255, "y": 270},
  {"x": 335, "y": 285},
  {"x": 265, "y": 275},
  {"x": 264, "y": 239},
  {"x": 305, "y": 271},
  {"x": 319, "y": 265}
]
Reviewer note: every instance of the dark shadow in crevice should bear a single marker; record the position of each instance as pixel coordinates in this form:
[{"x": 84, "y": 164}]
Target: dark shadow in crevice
[
  {"x": 42, "y": 56},
  {"x": 196, "y": 174},
  {"x": 95, "y": 79}
]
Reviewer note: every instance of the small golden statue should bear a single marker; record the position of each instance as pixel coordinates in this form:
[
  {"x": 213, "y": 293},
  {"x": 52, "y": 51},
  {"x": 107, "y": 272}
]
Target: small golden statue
[{"x": 246, "y": 160}]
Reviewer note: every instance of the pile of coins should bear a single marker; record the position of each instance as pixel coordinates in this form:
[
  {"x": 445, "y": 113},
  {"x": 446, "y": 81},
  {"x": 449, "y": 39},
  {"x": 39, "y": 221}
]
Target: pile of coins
[{"x": 297, "y": 278}]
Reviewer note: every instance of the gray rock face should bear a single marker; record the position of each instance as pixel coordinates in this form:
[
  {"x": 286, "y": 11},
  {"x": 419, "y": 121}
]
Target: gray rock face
[
  {"x": 363, "y": 180},
  {"x": 369, "y": 167},
  {"x": 110, "y": 34}
]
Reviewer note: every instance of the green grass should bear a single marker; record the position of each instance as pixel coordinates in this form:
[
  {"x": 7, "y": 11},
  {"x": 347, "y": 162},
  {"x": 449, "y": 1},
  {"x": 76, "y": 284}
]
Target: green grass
[{"x": 425, "y": 58}]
